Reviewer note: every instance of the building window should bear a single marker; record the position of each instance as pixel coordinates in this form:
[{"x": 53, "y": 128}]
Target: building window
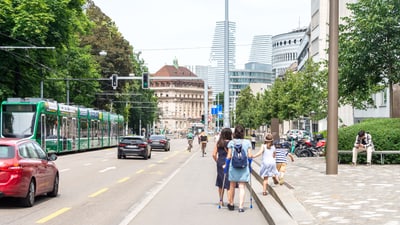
[{"x": 384, "y": 97}]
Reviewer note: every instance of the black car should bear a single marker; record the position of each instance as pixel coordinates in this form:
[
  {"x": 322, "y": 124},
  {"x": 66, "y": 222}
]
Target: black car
[
  {"x": 159, "y": 142},
  {"x": 134, "y": 146}
]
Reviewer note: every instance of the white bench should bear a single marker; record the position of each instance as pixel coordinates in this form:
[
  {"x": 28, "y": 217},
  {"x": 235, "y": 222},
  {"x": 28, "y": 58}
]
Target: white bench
[{"x": 381, "y": 153}]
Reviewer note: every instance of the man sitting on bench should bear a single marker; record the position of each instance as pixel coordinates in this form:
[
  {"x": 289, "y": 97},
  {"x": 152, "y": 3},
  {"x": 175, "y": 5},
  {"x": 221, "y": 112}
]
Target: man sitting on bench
[{"x": 363, "y": 143}]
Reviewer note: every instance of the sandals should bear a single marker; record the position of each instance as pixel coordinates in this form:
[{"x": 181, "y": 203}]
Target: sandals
[{"x": 265, "y": 193}]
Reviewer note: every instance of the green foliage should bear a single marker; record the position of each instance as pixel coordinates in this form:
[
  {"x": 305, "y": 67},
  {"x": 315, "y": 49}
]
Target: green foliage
[
  {"x": 246, "y": 109},
  {"x": 297, "y": 94},
  {"x": 78, "y": 31},
  {"x": 369, "y": 43}
]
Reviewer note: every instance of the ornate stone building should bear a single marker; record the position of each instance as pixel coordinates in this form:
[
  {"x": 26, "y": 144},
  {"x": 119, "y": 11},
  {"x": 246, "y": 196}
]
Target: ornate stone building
[{"x": 180, "y": 102}]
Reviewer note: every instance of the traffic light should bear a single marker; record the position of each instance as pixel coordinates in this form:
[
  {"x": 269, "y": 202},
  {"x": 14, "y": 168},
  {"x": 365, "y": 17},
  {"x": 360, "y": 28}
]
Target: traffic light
[
  {"x": 202, "y": 118},
  {"x": 145, "y": 81},
  {"x": 114, "y": 81}
]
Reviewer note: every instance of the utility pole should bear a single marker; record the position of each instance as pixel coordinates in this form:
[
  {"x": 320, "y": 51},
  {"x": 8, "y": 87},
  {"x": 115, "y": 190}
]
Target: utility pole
[
  {"x": 332, "y": 144},
  {"x": 226, "y": 67}
]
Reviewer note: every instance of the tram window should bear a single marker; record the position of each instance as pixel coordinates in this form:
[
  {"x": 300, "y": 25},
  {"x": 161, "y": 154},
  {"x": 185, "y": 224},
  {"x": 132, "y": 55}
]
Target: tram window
[
  {"x": 51, "y": 125},
  {"x": 64, "y": 127},
  {"x": 84, "y": 127}
]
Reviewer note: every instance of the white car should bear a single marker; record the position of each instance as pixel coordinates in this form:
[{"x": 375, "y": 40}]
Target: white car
[{"x": 297, "y": 134}]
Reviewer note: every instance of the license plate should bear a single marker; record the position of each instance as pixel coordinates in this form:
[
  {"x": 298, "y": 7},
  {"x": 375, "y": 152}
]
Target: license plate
[
  {"x": 155, "y": 142},
  {"x": 131, "y": 146}
]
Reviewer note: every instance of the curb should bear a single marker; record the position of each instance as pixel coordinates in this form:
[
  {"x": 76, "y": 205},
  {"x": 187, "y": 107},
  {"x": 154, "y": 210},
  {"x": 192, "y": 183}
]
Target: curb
[{"x": 280, "y": 206}]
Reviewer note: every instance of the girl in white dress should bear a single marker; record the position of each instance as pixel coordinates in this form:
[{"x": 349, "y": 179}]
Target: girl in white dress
[{"x": 268, "y": 165}]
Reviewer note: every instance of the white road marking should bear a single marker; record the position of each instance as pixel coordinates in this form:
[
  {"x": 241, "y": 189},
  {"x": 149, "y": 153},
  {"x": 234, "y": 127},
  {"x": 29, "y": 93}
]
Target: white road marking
[
  {"x": 107, "y": 169},
  {"x": 136, "y": 208}
]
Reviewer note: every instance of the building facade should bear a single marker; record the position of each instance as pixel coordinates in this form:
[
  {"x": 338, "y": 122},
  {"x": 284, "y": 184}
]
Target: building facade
[
  {"x": 241, "y": 78},
  {"x": 216, "y": 71},
  {"x": 318, "y": 48},
  {"x": 285, "y": 50},
  {"x": 180, "y": 102}
]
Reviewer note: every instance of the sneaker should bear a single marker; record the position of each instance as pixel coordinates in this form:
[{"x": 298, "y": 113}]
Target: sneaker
[
  {"x": 231, "y": 207},
  {"x": 353, "y": 164},
  {"x": 281, "y": 181},
  {"x": 241, "y": 210}
]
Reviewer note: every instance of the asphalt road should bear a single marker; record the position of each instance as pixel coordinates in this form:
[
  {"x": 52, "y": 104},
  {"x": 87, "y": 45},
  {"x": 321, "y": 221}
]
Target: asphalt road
[{"x": 96, "y": 188}]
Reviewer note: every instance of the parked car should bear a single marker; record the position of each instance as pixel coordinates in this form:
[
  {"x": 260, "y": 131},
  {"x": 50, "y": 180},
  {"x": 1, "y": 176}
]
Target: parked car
[
  {"x": 297, "y": 134},
  {"x": 134, "y": 146},
  {"x": 159, "y": 141},
  {"x": 26, "y": 171}
]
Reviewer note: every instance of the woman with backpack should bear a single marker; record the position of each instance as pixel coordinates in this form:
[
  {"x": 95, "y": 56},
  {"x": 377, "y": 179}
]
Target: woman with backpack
[
  {"x": 239, "y": 171},
  {"x": 268, "y": 165}
]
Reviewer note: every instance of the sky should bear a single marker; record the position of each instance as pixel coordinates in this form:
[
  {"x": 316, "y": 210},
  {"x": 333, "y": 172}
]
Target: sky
[{"x": 163, "y": 30}]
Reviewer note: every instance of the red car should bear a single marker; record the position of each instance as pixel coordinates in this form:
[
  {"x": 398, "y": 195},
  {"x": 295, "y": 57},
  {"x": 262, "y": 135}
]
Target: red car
[{"x": 26, "y": 171}]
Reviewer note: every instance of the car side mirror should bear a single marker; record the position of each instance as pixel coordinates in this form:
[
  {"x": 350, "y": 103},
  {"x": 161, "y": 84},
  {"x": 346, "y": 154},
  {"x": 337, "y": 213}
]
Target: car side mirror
[{"x": 52, "y": 157}]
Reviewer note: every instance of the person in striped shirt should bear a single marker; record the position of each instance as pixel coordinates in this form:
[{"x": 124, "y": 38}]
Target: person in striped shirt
[{"x": 281, "y": 160}]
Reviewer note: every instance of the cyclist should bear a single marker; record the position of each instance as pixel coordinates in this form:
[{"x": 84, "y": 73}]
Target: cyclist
[
  {"x": 203, "y": 139},
  {"x": 189, "y": 137}
]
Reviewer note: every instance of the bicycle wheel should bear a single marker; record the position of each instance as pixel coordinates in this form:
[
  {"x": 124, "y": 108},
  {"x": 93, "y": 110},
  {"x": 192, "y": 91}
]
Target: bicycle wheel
[{"x": 304, "y": 153}]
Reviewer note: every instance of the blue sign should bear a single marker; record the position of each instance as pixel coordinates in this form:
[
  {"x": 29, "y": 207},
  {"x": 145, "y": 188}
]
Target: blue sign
[
  {"x": 219, "y": 107},
  {"x": 214, "y": 111}
]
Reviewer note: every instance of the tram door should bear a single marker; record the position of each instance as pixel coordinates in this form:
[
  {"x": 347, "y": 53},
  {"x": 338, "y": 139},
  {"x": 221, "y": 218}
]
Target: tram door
[
  {"x": 64, "y": 133},
  {"x": 43, "y": 133},
  {"x": 74, "y": 133}
]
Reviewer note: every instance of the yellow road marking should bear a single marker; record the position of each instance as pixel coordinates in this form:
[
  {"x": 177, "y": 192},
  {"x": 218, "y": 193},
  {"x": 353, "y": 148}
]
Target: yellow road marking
[
  {"x": 123, "y": 179},
  {"x": 98, "y": 192},
  {"x": 53, "y": 215},
  {"x": 140, "y": 171},
  {"x": 152, "y": 165},
  {"x": 160, "y": 161}
]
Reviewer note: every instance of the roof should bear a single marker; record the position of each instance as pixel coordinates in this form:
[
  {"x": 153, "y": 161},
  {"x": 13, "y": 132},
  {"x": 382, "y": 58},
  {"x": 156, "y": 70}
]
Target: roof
[{"x": 172, "y": 71}]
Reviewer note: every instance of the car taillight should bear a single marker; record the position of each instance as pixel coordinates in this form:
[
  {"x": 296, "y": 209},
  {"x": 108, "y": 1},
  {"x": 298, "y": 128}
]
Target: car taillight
[
  {"x": 149, "y": 141},
  {"x": 142, "y": 145},
  {"x": 15, "y": 168},
  {"x": 163, "y": 141},
  {"x": 121, "y": 145}
]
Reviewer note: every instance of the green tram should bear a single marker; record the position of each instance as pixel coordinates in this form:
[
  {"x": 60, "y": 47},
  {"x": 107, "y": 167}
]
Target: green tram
[{"x": 58, "y": 127}]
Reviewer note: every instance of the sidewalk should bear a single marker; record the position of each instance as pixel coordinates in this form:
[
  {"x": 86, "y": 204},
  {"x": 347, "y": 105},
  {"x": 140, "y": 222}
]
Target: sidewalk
[{"x": 356, "y": 195}]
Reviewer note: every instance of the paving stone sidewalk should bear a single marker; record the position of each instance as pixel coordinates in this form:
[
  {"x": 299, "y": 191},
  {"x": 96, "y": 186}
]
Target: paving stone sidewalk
[{"x": 356, "y": 195}]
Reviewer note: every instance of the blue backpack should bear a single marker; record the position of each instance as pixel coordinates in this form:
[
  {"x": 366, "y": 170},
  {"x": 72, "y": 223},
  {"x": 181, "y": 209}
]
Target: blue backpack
[{"x": 239, "y": 156}]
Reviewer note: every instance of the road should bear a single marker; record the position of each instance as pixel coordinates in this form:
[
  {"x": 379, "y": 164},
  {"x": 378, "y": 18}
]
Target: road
[{"x": 96, "y": 188}]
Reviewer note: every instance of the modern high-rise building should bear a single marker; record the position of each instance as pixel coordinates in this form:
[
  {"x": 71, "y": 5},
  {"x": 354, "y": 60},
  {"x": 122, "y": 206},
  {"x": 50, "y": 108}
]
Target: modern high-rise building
[
  {"x": 261, "y": 49},
  {"x": 216, "y": 76}
]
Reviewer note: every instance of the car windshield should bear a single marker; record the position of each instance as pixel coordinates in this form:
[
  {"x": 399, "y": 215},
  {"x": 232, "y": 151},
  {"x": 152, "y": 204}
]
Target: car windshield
[
  {"x": 6, "y": 152},
  {"x": 157, "y": 137}
]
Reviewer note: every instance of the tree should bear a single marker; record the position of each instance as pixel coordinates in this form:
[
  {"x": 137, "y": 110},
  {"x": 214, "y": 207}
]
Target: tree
[
  {"x": 246, "y": 109},
  {"x": 369, "y": 43},
  {"x": 48, "y": 23},
  {"x": 121, "y": 60}
]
